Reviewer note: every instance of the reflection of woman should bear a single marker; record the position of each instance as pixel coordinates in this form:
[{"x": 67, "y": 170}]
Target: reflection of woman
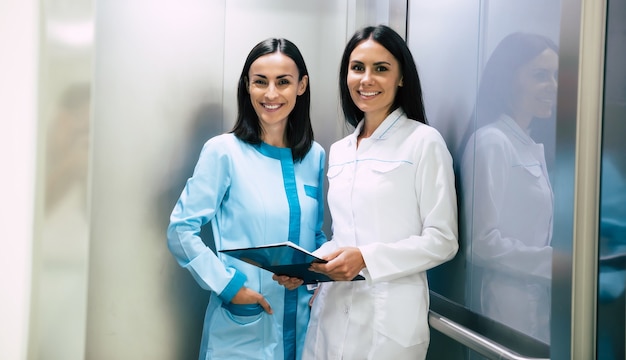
[
  {"x": 65, "y": 236},
  {"x": 67, "y": 147},
  {"x": 508, "y": 199},
  {"x": 393, "y": 204},
  {"x": 259, "y": 184}
]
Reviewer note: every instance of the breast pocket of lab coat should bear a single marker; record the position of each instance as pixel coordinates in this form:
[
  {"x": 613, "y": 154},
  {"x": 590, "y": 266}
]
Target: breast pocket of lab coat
[
  {"x": 339, "y": 179},
  {"x": 531, "y": 186},
  {"x": 393, "y": 180}
]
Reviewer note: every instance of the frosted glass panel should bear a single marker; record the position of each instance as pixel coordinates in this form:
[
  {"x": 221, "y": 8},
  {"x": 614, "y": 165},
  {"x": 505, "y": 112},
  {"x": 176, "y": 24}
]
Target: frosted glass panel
[{"x": 61, "y": 247}]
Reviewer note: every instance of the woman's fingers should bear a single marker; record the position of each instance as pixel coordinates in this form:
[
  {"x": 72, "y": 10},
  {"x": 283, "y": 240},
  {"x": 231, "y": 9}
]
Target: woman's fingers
[
  {"x": 265, "y": 305},
  {"x": 291, "y": 283},
  {"x": 343, "y": 264},
  {"x": 248, "y": 296}
]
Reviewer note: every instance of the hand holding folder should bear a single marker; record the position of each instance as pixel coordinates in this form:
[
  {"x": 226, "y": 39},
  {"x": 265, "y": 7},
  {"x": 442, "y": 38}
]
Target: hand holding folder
[{"x": 285, "y": 258}]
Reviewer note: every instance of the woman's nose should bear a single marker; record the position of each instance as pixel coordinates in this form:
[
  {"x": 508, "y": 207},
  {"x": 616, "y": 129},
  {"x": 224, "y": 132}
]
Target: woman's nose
[
  {"x": 271, "y": 92},
  {"x": 367, "y": 77},
  {"x": 553, "y": 84}
]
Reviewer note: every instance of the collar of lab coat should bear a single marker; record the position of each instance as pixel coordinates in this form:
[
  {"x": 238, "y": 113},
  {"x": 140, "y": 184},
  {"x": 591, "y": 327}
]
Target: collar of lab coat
[
  {"x": 515, "y": 129},
  {"x": 384, "y": 130}
]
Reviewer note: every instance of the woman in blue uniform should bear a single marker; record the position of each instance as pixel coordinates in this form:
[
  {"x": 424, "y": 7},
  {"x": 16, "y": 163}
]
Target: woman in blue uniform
[{"x": 258, "y": 184}]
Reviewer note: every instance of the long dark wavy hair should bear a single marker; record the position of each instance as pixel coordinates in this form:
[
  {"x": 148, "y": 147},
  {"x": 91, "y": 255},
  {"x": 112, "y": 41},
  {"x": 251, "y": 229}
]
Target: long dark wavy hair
[
  {"x": 408, "y": 96},
  {"x": 299, "y": 132},
  {"x": 495, "y": 91}
]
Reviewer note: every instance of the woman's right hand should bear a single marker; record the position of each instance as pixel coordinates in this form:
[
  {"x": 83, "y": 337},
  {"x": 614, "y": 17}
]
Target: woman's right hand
[
  {"x": 290, "y": 283},
  {"x": 248, "y": 296}
]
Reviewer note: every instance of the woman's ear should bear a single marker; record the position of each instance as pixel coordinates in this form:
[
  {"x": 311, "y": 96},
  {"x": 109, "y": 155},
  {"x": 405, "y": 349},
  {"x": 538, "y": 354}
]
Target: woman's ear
[
  {"x": 302, "y": 84},
  {"x": 401, "y": 83},
  {"x": 245, "y": 80}
]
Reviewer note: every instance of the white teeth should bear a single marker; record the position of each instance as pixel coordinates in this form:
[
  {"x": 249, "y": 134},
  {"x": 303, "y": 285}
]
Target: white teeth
[
  {"x": 368, "y": 93},
  {"x": 271, "y": 107}
]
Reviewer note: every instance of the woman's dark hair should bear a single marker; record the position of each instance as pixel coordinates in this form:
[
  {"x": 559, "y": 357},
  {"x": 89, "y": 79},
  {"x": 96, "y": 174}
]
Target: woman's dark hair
[
  {"x": 495, "y": 91},
  {"x": 299, "y": 132},
  {"x": 409, "y": 95}
]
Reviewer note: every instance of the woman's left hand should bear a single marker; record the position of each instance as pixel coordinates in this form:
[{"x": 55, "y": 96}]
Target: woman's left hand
[
  {"x": 290, "y": 283},
  {"x": 343, "y": 265}
]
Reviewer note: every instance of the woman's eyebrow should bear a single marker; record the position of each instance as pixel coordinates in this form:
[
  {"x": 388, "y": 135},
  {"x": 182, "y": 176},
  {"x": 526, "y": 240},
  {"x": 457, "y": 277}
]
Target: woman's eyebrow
[
  {"x": 278, "y": 77},
  {"x": 376, "y": 63}
]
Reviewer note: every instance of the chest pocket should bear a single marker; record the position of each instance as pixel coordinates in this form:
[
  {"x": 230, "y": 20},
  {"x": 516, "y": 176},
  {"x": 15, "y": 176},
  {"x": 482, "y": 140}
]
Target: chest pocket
[
  {"x": 531, "y": 178},
  {"x": 334, "y": 171},
  {"x": 381, "y": 167},
  {"x": 534, "y": 170},
  {"x": 388, "y": 177}
]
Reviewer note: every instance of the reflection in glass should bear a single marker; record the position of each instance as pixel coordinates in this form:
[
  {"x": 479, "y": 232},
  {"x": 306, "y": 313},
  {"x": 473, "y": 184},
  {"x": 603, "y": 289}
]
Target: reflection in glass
[
  {"x": 507, "y": 196},
  {"x": 612, "y": 263},
  {"x": 62, "y": 288}
]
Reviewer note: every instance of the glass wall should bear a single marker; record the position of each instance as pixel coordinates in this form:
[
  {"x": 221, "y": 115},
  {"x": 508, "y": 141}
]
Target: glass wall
[
  {"x": 61, "y": 246},
  {"x": 490, "y": 73},
  {"x": 612, "y": 252}
]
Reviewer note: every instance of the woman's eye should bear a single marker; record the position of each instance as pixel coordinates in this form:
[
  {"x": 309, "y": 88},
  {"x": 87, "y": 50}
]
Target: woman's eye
[
  {"x": 259, "y": 82},
  {"x": 381, "y": 68},
  {"x": 357, "y": 68},
  {"x": 283, "y": 82}
]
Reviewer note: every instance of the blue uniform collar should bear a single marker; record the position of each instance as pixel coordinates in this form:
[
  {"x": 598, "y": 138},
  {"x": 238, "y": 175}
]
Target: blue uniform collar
[{"x": 274, "y": 152}]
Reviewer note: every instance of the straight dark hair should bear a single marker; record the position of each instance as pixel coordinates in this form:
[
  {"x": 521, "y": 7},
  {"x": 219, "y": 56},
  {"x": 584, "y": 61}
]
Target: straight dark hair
[
  {"x": 299, "y": 132},
  {"x": 408, "y": 96},
  {"x": 495, "y": 91}
]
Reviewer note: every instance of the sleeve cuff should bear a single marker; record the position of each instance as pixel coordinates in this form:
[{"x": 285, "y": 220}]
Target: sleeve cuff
[{"x": 233, "y": 287}]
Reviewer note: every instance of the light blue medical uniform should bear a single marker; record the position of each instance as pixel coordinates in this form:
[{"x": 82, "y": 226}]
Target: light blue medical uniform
[{"x": 252, "y": 195}]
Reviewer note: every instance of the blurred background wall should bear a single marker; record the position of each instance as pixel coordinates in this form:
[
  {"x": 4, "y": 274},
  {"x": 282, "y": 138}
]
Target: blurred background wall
[{"x": 106, "y": 105}]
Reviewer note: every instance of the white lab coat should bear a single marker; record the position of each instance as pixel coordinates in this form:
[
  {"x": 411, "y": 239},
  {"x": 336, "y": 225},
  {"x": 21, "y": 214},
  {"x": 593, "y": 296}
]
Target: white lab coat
[
  {"x": 394, "y": 198},
  {"x": 508, "y": 197}
]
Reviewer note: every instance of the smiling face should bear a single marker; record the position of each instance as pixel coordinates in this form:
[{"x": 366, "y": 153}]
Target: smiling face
[
  {"x": 274, "y": 88},
  {"x": 534, "y": 89},
  {"x": 373, "y": 78}
]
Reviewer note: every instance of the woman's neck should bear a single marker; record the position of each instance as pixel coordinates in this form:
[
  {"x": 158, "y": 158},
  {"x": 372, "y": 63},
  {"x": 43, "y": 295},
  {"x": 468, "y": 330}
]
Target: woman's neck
[
  {"x": 274, "y": 136},
  {"x": 523, "y": 120},
  {"x": 370, "y": 124}
]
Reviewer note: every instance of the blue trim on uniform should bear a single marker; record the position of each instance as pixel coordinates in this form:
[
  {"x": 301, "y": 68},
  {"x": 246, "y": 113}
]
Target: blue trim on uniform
[
  {"x": 291, "y": 189},
  {"x": 233, "y": 286},
  {"x": 243, "y": 309},
  {"x": 311, "y": 191},
  {"x": 274, "y": 152},
  {"x": 400, "y": 113},
  {"x": 291, "y": 296}
]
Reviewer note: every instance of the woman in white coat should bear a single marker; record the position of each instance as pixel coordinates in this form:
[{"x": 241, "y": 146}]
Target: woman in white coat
[
  {"x": 393, "y": 205},
  {"x": 507, "y": 193}
]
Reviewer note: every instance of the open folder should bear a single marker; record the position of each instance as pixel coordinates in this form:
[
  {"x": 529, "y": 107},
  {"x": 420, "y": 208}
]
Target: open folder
[{"x": 285, "y": 258}]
